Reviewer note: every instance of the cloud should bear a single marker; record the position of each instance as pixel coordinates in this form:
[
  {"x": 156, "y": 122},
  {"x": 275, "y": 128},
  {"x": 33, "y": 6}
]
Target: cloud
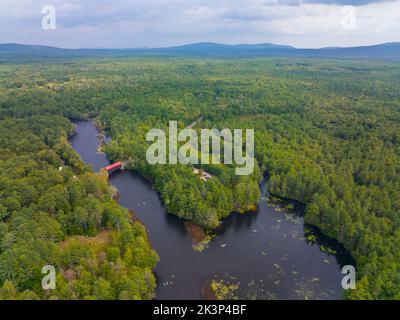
[
  {"x": 130, "y": 23},
  {"x": 345, "y": 2}
]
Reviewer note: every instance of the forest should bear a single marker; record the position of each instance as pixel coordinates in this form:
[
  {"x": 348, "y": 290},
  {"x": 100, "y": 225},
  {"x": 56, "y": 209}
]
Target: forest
[
  {"x": 326, "y": 134},
  {"x": 55, "y": 211}
]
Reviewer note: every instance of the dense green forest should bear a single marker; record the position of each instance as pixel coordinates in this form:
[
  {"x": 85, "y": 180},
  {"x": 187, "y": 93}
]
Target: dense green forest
[
  {"x": 327, "y": 134},
  {"x": 55, "y": 211}
]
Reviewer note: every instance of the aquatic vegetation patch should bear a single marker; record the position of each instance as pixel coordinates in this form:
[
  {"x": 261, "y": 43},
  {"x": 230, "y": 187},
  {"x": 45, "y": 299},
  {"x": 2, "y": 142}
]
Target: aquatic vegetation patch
[
  {"x": 293, "y": 218},
  {"x": 224, "y": 290},
  {"x": 327, "y": 250},
  {"x": 204, "y": 244}
]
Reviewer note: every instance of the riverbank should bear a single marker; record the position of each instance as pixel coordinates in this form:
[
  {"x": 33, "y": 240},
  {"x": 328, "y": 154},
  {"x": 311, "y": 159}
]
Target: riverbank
[{"x": 265, "y": 254}]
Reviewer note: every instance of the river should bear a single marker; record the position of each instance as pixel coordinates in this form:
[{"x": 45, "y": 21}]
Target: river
[{"x": 265, "y": 254}]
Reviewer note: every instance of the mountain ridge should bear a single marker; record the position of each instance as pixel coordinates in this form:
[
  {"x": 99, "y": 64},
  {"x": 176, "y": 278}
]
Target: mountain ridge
[{"x": 389, "y": 50}]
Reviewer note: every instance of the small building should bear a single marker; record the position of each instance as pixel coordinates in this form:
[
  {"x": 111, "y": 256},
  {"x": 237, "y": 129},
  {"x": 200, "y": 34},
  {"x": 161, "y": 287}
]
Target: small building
[
  {"x": 113, "y": 167},
  {"x": 205, "y": 176}
]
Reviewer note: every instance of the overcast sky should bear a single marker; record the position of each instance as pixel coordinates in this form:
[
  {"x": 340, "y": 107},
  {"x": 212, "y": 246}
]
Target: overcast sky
[{"x": 158, "y": 23}]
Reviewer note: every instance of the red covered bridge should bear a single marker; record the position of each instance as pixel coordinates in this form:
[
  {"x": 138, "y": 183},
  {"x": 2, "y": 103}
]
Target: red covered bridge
[{"x": 113, "y": 167}]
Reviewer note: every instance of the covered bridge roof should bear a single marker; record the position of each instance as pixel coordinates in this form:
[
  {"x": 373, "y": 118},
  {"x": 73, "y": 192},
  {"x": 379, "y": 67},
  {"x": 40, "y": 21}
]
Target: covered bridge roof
[{"x": 114, "y": 166}]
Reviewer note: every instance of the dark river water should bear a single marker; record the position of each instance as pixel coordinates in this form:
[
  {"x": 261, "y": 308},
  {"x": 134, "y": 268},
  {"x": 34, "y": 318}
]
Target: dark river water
[{"x": 266, "y": 254}]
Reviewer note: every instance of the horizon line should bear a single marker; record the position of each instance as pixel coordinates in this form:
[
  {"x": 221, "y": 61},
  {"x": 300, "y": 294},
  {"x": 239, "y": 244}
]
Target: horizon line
[{"x": 193, "y": 43}]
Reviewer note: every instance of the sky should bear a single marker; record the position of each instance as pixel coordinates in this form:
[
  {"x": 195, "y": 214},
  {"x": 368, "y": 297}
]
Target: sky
[{"x": 161, "y": 23}]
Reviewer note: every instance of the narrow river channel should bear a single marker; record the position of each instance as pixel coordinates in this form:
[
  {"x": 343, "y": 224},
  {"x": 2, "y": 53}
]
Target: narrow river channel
[{"x": 266, "y": 254}]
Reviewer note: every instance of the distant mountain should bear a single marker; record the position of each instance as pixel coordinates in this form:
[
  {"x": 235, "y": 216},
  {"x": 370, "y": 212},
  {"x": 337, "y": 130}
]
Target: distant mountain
[
  {"x": 205, "y": 49},
  {"x": 212, "y": 46},
  {"x": 13, "y": 48},
  {"x": 389, "y": 50},
  {"x": 17, "y": 51}
]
